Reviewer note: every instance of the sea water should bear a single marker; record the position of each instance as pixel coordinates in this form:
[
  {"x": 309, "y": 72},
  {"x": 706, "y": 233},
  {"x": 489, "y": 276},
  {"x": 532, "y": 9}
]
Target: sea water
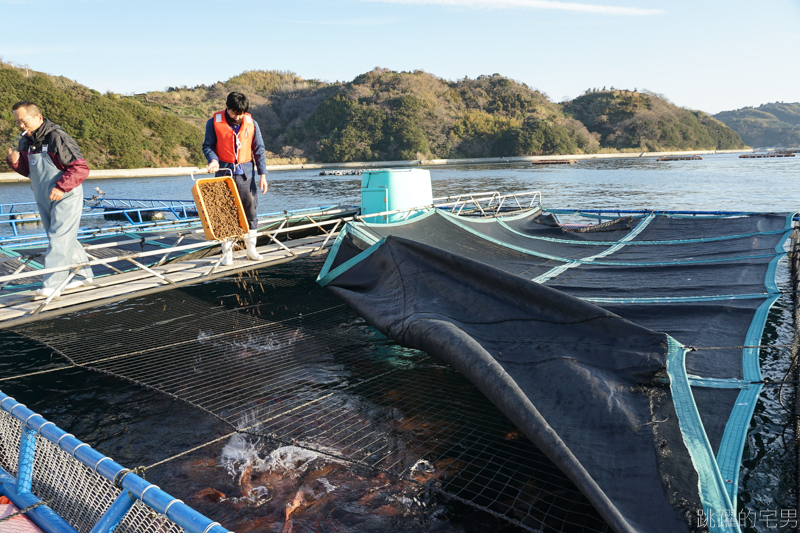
[{"x": 717, "y": 182}]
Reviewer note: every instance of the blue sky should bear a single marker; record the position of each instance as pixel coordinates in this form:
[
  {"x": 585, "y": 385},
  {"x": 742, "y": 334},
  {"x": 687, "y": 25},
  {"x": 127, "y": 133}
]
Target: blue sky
[{"x": 708, "y": 55}]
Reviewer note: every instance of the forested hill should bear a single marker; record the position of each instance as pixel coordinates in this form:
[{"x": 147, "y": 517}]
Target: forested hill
[
  {"x": 649, "y": 121},
  {"x": 112, "y": 131},
  {"x": 387, "y": 115},
  {"x": 768, "y": 125},
  {"x": 380, "y": 115}
]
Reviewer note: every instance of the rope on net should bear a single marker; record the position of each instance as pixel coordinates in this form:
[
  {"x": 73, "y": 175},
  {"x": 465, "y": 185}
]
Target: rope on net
[{"x": 23, "y": 511}]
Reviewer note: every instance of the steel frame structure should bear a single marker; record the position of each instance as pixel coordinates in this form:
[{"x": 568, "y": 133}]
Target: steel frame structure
[{"x": 485, "y": 204}]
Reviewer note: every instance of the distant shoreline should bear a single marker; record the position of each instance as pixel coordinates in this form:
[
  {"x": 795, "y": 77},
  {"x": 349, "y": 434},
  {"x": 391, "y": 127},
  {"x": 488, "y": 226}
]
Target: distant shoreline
[{"x": 178, "y": 171}]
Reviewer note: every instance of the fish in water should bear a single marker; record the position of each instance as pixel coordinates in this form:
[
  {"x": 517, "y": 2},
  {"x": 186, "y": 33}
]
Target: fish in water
[{"x": 297, "y": 487}]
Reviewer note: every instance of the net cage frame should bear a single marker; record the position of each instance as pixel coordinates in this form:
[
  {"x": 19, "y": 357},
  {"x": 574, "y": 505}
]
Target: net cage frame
[
  {"x": 245, "y": 332},
  {"x": 68, "y": 487}
]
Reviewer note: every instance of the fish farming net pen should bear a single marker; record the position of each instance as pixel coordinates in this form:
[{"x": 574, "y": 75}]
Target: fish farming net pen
[
  {"x": 285, "y": 364},
  {"x": 281, "y": 360},
  {"x": 64, "y": 486}
]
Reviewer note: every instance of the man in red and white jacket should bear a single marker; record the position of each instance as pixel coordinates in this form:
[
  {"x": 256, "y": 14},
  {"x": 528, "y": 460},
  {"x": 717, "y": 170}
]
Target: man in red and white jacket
[{"x": 56, "y": 168}]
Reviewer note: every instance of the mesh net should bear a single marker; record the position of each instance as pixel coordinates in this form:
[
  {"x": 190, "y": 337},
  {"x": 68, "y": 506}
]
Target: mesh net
[
  {"x": 142, "y": 519},
  {"x": 10, "y": 430},
  {"x": 71, "y": 489},
  {"x": 279, "y": 358}
]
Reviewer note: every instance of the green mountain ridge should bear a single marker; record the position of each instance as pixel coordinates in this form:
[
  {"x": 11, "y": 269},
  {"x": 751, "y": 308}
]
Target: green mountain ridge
[
  {"x": 380, "y": 115},
  {"x": 768, "y": 125}
]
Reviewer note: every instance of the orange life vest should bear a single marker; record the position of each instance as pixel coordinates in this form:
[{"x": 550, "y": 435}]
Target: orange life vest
[{"x": 234, "y": 148}]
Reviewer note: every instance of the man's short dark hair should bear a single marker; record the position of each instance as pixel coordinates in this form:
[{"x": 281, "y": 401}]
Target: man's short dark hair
[
  {"x": 237, "y": 102},
  {"x": 30, "y": 107}
]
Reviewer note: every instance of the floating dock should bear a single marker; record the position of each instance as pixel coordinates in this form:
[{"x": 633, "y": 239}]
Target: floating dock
[
  {"x": 555, "y": 162},
  {"x": 762, "y": 156},
  {"x": 20, "y": 308},
  {"x": 680, "y": 158},
  {"x": 128, "y": 265}
]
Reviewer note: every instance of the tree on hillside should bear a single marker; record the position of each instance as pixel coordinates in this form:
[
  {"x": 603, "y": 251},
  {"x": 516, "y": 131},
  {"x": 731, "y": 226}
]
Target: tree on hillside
[
  {"x": 354, "y": 130},
  {"x": 403, "y": 134},
  {"x": 536, "y": 137}
]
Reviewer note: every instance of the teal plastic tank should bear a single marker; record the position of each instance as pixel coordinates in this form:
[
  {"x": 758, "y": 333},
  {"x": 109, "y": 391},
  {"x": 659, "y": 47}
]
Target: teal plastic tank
[{"x": 392, "y": 190}]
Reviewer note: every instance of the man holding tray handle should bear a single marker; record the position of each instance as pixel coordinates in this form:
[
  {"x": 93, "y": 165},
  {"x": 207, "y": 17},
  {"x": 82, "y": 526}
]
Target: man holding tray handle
[{"x": 233, "y": 142}]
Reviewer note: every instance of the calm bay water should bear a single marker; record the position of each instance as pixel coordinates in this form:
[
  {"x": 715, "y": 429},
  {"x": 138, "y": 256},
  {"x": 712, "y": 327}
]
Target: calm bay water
[
  {"x": 718, "y": 182},
  {"x": 112, "y": 414}
]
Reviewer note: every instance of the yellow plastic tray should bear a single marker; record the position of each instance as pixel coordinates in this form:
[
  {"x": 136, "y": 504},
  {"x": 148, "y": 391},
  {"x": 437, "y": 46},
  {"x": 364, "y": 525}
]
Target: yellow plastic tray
[{"x": 201, "y": 206}]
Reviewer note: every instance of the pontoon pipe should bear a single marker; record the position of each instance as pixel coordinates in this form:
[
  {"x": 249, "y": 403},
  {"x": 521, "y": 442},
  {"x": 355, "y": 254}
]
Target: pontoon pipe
[
  {"x": 180, "y": 513},
  {"x": 44, "y": 517}
]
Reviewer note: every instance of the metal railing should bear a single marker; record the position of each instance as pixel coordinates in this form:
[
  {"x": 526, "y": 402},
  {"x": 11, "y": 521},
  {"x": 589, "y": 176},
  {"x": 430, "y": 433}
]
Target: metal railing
[
  {"x": 133, "y": 208},
  {"x": 36, "y": 239},
  {"x": 489, "y": 204},
  {"x": 133, "y": 211},
  {"x": 133, "y": 258},
  {"x": 606, "y": 214},
  {"x": 31, "y": 448}
]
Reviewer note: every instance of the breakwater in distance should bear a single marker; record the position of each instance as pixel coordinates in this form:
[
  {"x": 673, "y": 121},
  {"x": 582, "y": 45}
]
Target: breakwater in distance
[{"x": 172, "y": 171}]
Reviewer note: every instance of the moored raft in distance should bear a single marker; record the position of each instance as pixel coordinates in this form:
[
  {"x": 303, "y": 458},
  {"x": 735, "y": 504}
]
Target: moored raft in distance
[
  {"x": 554, "y": 162},
  {"x": 680, "y": 158},
  {"x": 770, "y": 154},
  {"x": 341, "y": 172}
]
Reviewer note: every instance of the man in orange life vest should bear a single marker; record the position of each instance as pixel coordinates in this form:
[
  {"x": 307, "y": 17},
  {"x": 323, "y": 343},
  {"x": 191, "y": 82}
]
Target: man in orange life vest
[{"x": 233, "y": 141}]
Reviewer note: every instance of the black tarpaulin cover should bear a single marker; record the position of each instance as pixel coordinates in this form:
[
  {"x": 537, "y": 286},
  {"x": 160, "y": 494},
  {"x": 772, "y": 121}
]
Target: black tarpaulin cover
[{"x": 580, "y": 338}]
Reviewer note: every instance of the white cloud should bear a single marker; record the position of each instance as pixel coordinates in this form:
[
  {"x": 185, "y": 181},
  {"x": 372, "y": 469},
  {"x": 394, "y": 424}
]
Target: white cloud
[{"x": 532, "y": 4}]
